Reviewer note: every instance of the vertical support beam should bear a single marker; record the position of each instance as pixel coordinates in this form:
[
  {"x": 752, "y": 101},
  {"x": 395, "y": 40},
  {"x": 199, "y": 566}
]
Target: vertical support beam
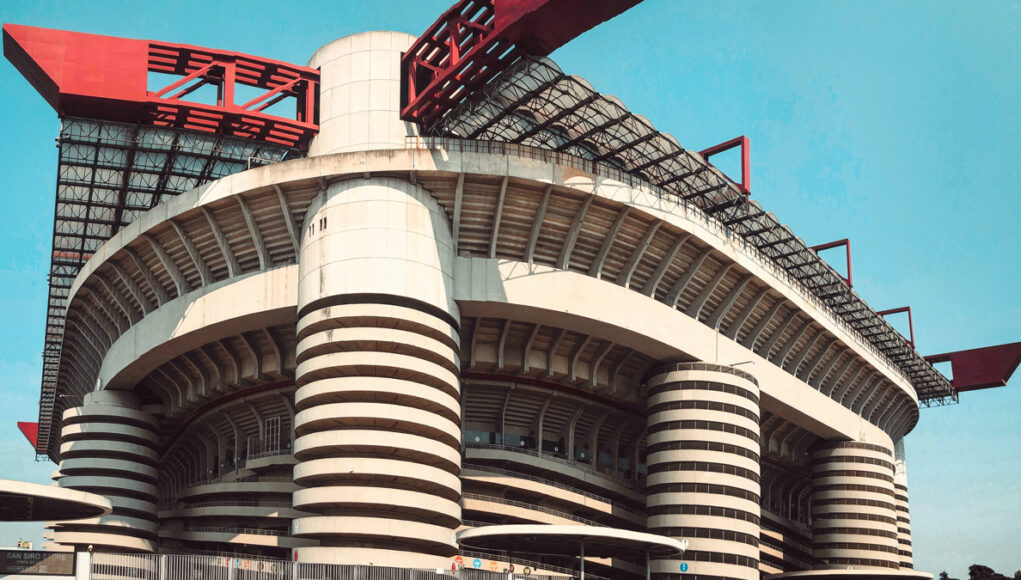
[
  {"x": 540, "y": 216},
  {"x": 744, "y": 144},
  {"x": 204, "y": 274},
  {"x": 596, "y": 269},
  {"x": 678, "y": 288},
  {"x": 632, "y": 263},
  {"x": 292, "y": 228},
  {"x": 657, "y": 275},
  {"x": 221, "y": 241},
  {"x": 695, "y": 308},
  {"x": 458, "y": 206},
  {"x": 497, "y": 217},
  {"x": 847, "y": 244},
  {"x": 253, "y": 230},
  {"x": 168, "y": 264},
  {"x": 572, "y": 235}
]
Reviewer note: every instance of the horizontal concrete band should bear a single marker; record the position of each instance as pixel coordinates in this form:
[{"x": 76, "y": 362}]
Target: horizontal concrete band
[
  {"x": 369, "y": 313},
  {"x": 404, "y": 504},
  {"x": 364, "y": 443},
  {"x": 367, "y": 363},
  {"x": 402, "y": 474},
  {"x": 378, "y": 389},
  {"x": 104, "y": 448},
  {"x": 379, "y": 416},
  {"x": 438, "y": 539},
  {"x": 369, "y": 338},
  {"x": 110, "y": 432}
]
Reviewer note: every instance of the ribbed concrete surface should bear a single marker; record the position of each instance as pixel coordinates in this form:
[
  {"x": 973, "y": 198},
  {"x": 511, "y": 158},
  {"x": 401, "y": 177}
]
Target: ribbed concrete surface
[
  {"x": 378, "y": 405},
  {"x": 703, "y": 457},
  {"x": 108, "y": 447},
  {"x": 854, "y": 519}
]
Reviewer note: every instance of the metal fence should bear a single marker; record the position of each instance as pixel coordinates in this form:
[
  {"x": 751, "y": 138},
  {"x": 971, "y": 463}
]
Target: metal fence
[{"x": 186, "y": 567}]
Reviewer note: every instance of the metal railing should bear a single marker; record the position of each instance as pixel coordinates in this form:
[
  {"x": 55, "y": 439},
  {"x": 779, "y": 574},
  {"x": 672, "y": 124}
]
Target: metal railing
[
  {"x": 252, "y": 531},
  {"x": 552, "y": 483},
  {"x": 532, "y": 507},
  {"x": 629, "y": 483},
  {"x": 190, "y": 567}
]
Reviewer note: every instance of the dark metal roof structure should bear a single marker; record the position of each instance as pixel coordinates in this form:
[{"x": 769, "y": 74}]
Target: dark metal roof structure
[
  {"x": 534, "y": 103},
  {"x": 108, "y": 175}
]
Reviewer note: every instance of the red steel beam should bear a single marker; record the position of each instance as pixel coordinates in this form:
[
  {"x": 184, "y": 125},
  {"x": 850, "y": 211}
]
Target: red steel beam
[
  {"x": 106, "y": 77},
  {"x": 830, "y": 245},
  {"x": 475, "y": 40},
  {"x": 981, "y": 368},
  {"x": 743, "y": 143},
  {"x": 30, "y": 431},
  {"x": 911, "y": 324}
]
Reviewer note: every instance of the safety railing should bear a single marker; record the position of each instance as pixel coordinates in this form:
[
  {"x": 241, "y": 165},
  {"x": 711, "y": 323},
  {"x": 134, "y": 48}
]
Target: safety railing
[
  {"x": 629, "y": 483},
  {"x": 190, "y": 567},
  {"x": 532, "y": 507},
  {"x": 616, "y": 505}
]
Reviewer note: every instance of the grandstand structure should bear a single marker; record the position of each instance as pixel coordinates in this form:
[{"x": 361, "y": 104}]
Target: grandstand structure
[{"x": 428, "y": 297}]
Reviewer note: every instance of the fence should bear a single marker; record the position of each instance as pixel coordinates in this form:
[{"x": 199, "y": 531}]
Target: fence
[{"x": 186, "y": 567}]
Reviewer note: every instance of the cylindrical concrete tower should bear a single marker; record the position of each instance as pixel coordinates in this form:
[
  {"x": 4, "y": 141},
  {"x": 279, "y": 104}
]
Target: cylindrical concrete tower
[
  {"x": 360, "y": 93},
  {"x": 378, "y": 420},
  {"x": 854, "y": 520},
  {"x": 900, "y": 484},
  {"x": 703, "y": 458},
  {"x": 108, "y": 446}
]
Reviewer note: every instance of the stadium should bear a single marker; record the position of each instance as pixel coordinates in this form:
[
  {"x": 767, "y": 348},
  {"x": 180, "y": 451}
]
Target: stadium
[{"x": 431, "y": 302}]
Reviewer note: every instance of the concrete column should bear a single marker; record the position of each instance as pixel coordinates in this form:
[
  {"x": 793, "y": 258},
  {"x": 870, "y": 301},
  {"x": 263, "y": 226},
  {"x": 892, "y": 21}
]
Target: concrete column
[
  {"x": 900, "y": 485},
  {"x": 854, "y": 520},
  {"x": 378, "y": 400},
  {"x": 703, "y": 458},
  {"x": 108, "y": 446},
  {"x": 360, "y": 93}
]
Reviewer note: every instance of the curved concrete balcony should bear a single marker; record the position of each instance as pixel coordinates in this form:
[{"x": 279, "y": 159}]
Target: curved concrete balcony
[
  {"x": 366, "y": 443},
  {"x": 245, "y": 536},
  {"x": 599, "y": 506},
  {"x": 555, "y": 468},
  {"x": 227, "y": 509},
  {"x": 266, "y": 485}
]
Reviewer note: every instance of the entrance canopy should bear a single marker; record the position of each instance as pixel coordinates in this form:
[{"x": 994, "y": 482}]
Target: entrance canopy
[
  {"x": 565, "y": 540},
  {"x": 32, "y": 502}
]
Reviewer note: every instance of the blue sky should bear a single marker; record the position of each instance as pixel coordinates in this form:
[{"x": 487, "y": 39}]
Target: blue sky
[{"x": 894, "y": 124}]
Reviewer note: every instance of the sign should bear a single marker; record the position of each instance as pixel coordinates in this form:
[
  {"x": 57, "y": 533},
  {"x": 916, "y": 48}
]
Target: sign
[
  {"x": 527, "y": 571},
  {"x": 30, "y": 562},
  {"x": 493, "y": 566},
  {"x": 684, "y": 566},
  {"x": 476, "y": 563}
]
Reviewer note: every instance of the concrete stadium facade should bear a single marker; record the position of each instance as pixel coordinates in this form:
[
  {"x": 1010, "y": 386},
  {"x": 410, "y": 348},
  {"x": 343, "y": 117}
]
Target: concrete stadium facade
[{"x": 351, "y": 356}]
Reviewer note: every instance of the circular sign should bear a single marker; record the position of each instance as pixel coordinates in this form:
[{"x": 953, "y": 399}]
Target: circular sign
[
  {"x": 684, "y": 566},
  {"x": 459, "y": 560},
  {"x": 526, "y": 571},
  {"x": 476, "y": 563},
  {"x": 493, "y": 566}
]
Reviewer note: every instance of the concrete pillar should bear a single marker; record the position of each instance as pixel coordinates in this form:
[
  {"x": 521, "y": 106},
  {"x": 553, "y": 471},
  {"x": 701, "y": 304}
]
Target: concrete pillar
[
  {"x": 703, "y": 458},
  {"x": 378, "y": 400},
  {"x": 108, "y": 446},
  {"x": 360, "y": 93},
  {"x": 854, "y": 520},
  {"x": 900, "y": 485}
]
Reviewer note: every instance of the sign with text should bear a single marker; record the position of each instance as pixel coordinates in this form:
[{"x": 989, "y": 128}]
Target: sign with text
[{"x": 36, "y": 562}]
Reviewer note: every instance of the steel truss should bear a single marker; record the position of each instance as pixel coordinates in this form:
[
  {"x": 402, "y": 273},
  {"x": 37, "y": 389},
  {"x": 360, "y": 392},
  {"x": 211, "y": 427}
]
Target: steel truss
[
  {"x": 108, "y": 175},
  {"x": 534, "y": 103}
]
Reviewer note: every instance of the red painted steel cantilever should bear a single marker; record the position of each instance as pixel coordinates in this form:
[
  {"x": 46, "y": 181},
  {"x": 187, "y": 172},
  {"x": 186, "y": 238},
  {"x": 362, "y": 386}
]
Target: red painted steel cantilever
[
  {"x": 475, "y": 40},
  {"x": 830, "y": 245},
  {"x": 106, "y": 77},
  {"x": 981, "y": 368},
  {"x": 746, "y": 177},
  {"x": 911, "y": 323}
]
